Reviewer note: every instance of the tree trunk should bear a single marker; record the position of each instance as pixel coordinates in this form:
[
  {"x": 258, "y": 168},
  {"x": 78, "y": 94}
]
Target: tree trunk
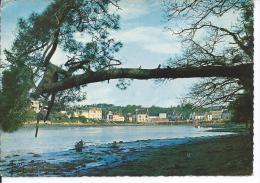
[
  {"x": 37, "y": 127},
  {"x": 240, "y": 71}
]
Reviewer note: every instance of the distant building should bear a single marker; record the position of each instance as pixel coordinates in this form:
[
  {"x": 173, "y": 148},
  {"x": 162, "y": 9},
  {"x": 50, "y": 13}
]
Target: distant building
[
  {"x": 36, "y": 105},
  {"x": 162, "y": 115},
  {"x": 117, "y": 117},
  {"x": 153, "y": 119},
  {"x": 91, "y": 113},
  {"x": 141, "y": 118},
  {"x": 114, "y": 117},
  {"x": 217, "y": 115},
  {"x": 110, "y": 116},
  {"x": 198, "y": 117},
  {"x": 208, "y": 116},
  {"x": 129, "y": 118}
]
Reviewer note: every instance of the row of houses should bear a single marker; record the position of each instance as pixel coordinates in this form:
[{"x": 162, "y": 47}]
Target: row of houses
[
  {"x": 140, "y": 118},
  {"x": 97, "y": 114},
  {"x": 211, "y": 116},
  {"x": 91, "y": 113}
]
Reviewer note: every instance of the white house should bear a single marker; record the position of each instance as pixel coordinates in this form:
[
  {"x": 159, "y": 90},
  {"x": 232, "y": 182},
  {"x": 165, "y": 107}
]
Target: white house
[
  {"x": 208, "y": 116},
  {"x": 114, "y": 117},
  {"x": 162, "y": 115},
  {"x": 91, "y": 113},
  {"x": 216, "y": 115},
  {"x": 36, "y": 105},
  {"x": 141, "y": 118}
]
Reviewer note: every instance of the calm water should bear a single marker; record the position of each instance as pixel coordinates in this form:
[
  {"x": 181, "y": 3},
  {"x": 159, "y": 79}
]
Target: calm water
[{"x": 53, "y": 139}]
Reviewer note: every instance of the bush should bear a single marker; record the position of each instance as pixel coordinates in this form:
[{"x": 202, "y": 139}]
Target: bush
[
  {"x": 82, "y": 119},
  {"x": 79, "y": 146}
]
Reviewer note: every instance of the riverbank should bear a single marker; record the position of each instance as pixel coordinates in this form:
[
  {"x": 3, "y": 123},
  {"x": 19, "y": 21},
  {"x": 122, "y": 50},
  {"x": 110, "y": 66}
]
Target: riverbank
[
  {"x": 230, "y": 155},
  {"x": 217, "y": 155},
  {"x": 185, "y": 151},
  {"x": 49, "y": 123}
]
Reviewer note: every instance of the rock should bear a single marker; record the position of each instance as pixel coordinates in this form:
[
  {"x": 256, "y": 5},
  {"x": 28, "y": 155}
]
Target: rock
[{"x": 36, "y": 155}]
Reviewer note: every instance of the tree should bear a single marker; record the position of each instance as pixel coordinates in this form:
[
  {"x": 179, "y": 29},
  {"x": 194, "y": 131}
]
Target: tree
[
  {"x": 38, "y": 39},
  {"x": 208, "y": 44},
  {"x": 16, "y": 84},
  {"x": 242, "y": 109},
  {"x": 93, "y": 60},
  {"x": 221, "y": 45}
]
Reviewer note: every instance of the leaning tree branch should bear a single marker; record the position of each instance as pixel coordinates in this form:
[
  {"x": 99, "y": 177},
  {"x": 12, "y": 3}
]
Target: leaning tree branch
[{"x": 239, "y": 71}]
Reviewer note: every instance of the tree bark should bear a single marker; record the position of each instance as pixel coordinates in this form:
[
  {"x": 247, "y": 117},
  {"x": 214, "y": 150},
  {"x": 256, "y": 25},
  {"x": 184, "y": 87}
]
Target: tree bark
[{"x": 239, "y": 71}]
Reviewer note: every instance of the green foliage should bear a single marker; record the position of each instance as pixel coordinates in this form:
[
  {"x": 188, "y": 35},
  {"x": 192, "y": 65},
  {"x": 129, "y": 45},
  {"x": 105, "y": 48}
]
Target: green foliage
[
  {"x": 247, "y": 18},
  {"x": 79, "y": 146},
  {"x": 30, "y": 115},
  {"x": 123, "y": 84},
  {"x": 82, "y": 119},
  {"x": 38, "y": 36},
  {"x": 58, "y": 117},
  {"x": 16, "y": 83}
]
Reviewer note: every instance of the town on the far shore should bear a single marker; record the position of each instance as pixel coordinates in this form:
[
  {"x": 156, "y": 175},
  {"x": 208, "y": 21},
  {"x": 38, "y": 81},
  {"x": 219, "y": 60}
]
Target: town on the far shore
[{"x": 102, "y": 113}]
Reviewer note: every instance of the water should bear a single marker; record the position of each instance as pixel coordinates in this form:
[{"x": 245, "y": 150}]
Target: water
[{"x": 55, "y": 139}]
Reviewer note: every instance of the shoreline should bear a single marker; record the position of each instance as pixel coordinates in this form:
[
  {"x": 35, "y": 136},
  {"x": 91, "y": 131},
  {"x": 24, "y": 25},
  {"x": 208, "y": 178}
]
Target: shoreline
[
  {"x": 178, "y": 156},
  {"x": 229, "y": 155},
  {"x": 80, "y": 124},
  {"x": 102, "y": 160}
]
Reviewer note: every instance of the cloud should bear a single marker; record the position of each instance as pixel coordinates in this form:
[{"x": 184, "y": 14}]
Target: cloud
[
  {"x": 59, "y": 57},
  {"x": 100, "y": 93},
  {"x": 131, "y": 9},
  {"x": 145, "y": 93},
  {"x": 153, "y": 39}
]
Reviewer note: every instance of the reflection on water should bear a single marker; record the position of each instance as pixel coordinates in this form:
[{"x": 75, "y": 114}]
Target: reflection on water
[{"x": 53, "y": 139}]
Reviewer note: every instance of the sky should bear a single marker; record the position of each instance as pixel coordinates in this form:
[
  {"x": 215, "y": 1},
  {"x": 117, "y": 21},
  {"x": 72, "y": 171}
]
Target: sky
[{"x": 145, "y": 41}]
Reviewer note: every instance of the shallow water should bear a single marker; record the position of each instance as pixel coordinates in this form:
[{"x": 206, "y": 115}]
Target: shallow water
[
  {"x": 55, "y": 139},
  {"x": 52, "y": 153}
]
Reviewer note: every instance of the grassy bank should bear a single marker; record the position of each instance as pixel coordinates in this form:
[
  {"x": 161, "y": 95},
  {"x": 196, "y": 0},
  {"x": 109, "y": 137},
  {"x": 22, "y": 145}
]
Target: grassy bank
[{"x": 217, "y": 156}]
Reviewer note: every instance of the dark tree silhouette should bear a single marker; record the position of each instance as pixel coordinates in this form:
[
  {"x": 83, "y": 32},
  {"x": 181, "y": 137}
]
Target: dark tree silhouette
[{"x": 210, "y": 43}]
